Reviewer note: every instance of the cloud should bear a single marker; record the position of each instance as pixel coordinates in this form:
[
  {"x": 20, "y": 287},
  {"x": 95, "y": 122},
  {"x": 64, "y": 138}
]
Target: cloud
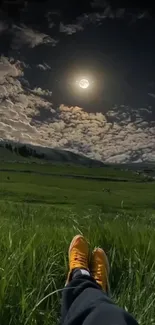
[
  {"x": 103, "y": 10},
  {"x": 23, "y": 35},
  {"x": 26, "y": 36},
  {"x": 44, "y": 66},
  {"x": 40, "y": 91},
  {"x": 70, "y": 29},
  {"x": 49, "y": 17},
  {"x": 113, "y": 12},
  {"x": 98, "y": 17},
  {"x": 152, "y": 95},
  {"x": 8, "y": 69},
  {"x": 27, "y": 115}
]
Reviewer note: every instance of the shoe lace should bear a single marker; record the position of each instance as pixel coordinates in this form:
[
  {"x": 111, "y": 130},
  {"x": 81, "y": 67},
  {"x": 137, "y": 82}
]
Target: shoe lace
[
  {"x": 100, "y": 273},
  {"x": 79, "y": 257}
]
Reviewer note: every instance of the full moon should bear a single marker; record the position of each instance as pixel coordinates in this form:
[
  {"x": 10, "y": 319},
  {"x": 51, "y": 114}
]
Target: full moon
[{"x": 84, "y": 83}]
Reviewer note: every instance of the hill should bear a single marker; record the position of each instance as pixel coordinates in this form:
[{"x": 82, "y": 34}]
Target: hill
[
  {"x": 47, "y": 197},
  {"x": 19, "y": 152}
]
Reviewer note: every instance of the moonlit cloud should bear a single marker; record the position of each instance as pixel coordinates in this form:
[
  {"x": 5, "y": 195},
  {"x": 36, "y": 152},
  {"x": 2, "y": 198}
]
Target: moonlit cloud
[
  {"x": 40, "y": 91},
  {"x": 23, "y": 35},
  {"x": 44, "y": 66},
  {"x": 110, "y": 12},
  {"x": 8, "y": 69},
  {"x": 152, "y": 95},
  {"x": 71, "y": 28},
  {"x": 118, "y": 136},
  {"x": 98, "y": 16},
  {"x": 26, "y": 36}
]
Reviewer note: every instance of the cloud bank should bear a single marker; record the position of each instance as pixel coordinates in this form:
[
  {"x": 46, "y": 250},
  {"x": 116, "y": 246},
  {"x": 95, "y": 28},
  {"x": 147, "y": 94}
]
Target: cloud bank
[{"x": 121, "y": 135}]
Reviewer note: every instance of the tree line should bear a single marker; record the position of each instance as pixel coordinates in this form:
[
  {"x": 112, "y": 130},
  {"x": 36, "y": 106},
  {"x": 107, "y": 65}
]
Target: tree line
[{"x": 24, "y": 151}]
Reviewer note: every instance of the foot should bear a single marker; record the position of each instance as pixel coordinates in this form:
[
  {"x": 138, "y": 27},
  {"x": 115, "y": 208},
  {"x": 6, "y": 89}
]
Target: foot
[
  {"x": 100, "y": 268},
  {"x": 78, "y": 255}
]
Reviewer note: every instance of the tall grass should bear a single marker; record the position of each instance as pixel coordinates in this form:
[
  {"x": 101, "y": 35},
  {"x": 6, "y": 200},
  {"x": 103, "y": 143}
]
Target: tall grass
[{"x": 33, "y": 260}]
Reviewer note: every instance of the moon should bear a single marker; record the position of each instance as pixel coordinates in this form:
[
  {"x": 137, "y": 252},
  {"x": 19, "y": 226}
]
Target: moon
[{"x": 84, "y": 83}]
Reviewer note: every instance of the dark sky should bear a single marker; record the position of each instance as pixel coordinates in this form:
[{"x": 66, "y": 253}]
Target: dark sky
[
  {"x": 110, "y": 43},
  {"x": 118, "y": 53}
]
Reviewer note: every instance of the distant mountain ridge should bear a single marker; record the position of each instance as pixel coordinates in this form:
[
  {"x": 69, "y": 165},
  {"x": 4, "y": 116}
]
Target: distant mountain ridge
[{"x": 47, "y": 154}]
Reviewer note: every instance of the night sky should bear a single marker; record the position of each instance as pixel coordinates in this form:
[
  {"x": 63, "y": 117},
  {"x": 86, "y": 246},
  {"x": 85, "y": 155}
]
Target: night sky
[{"x": 47, "y": 47}]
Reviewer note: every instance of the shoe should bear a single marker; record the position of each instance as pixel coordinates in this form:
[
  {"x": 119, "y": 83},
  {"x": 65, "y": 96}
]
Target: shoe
[
  {"x": 100, "y": 268},
  {"x": 78, "y": 255}
]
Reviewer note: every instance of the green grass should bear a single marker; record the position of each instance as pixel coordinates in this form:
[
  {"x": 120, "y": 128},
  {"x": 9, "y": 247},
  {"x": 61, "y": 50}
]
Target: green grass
[
  {"x": 70, "y": 169},
  {"x": 25, "y": 187},
  {"x": 39, "y": 215}
]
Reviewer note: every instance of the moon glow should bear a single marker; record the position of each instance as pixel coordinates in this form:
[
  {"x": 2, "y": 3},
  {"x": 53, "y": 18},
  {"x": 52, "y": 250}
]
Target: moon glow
[{"x": 84, "y": 83}]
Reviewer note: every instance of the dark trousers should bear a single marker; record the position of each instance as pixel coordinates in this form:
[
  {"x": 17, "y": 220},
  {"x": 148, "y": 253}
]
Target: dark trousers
[{"x": 84, "y": 303}]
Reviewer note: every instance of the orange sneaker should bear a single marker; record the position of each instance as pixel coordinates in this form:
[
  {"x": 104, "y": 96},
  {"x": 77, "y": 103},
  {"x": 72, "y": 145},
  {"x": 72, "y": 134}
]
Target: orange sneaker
[
  {"x": 100, "y": 268},
  {"x": 78, "y": 255}
]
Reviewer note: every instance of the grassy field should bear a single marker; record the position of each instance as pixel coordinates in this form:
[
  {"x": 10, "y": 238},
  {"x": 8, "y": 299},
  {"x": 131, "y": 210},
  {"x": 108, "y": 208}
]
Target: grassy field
[
  {"x": 39, "y": 215},
  {"x": 68, "y": 169}
]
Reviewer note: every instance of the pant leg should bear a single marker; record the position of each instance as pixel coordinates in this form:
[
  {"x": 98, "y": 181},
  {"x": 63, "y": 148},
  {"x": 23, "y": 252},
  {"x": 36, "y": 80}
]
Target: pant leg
[{"x": 84, "y": 303}]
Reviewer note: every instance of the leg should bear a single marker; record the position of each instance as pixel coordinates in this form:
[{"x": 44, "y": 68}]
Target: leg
[
  {"x": 85, "y": 299},
  {"x": 84, "y": 302}
]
